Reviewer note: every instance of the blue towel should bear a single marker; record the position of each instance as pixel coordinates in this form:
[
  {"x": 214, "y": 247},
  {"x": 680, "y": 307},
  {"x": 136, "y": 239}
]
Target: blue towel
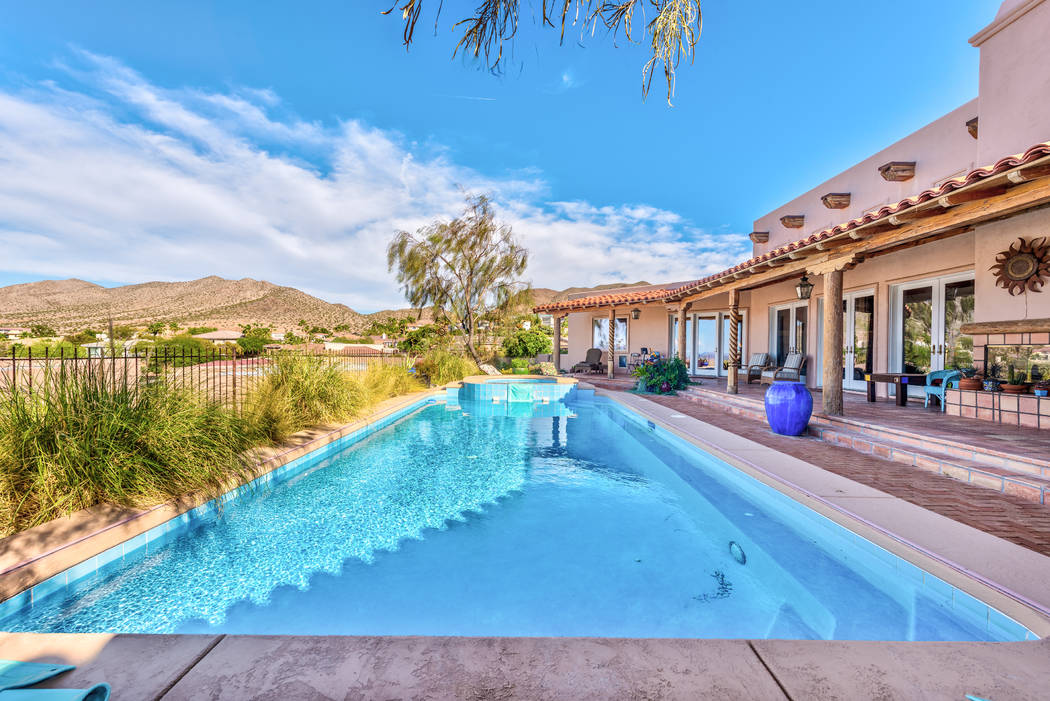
[
  {"x": 99, "y": 692},
  {"x": 14, "y": 675}
]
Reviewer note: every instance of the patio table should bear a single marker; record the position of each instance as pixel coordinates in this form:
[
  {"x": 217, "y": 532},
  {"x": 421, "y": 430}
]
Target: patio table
[{"x": 901, "y": 379}]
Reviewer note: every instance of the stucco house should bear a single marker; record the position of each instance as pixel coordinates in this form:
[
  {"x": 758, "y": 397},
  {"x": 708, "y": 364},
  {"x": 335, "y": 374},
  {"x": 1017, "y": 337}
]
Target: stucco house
[
  {"x": 926, "y": 255},
  {"x": 220, "y": 337}
]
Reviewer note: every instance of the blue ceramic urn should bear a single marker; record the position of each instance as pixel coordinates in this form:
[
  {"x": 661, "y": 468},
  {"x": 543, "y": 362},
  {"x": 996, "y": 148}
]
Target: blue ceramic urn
[{"x": 788, "y": 408}]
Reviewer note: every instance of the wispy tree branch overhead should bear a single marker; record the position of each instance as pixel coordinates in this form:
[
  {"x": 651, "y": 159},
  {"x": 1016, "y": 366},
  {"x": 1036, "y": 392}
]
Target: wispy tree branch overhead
[{"x": 672, "y": 28}]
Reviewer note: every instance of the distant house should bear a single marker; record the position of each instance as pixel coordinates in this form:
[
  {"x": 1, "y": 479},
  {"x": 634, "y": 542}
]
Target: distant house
[
  {"x": 12, "y": 333},
  {"x": 101, "y": 349},
  {"x": 220, "y": 337}
]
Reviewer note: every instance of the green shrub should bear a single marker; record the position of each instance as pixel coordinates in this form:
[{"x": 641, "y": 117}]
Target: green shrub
[
  {"x": 77, "y": 441},
  {"x": 662, "y": 375},
  {"x": 440, "y": 367},
  {"x": 527, "y": 343}
]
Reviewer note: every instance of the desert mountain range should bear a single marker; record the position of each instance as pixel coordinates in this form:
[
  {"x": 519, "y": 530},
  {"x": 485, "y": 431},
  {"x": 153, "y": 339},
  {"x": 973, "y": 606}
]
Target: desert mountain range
[{"x": 72, "y": 305}]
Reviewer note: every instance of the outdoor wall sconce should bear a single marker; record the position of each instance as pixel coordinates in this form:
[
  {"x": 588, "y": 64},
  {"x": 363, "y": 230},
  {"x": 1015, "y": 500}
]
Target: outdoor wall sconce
[
  {"x": 635, "y": 313},
  {"x": 804, "y": 288}
]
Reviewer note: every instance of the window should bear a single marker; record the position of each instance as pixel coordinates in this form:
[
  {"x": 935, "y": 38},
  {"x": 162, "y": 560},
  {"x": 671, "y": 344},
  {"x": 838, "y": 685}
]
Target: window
[{"x": 600, "y": 334}]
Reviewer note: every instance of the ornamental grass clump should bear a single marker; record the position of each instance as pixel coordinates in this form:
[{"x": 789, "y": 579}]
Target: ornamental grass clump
[
  {"x": 300, "y": 391},
  {"x": 440, "y": 367},
  {"x": 303, "y": 391},
  {"x": 76, "y": 441}
]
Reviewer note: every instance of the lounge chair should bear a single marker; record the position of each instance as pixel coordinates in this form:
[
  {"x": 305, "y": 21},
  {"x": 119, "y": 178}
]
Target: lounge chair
[
  {"x": 946, "y": 377},
  {"x": 591, "y": 363},
  {"x": 790, "y": 370},
  {"x": 755, "y": 366}
]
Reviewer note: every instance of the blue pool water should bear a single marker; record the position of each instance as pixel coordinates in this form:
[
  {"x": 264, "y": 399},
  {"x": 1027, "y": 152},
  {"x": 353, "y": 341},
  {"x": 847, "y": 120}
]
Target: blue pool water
[{"x": 544, "y": 519}]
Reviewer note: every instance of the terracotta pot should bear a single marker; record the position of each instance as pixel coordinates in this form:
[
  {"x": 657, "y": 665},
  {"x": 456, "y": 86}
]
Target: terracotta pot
[
  {"x": 969, "y": 383},
  {"x": 1014, "y": 389}
]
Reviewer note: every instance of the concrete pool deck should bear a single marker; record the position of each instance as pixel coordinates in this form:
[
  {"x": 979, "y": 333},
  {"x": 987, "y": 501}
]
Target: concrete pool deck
[
  {"x": 290, "y": 668},
  {"x": 366, "y": 667}
]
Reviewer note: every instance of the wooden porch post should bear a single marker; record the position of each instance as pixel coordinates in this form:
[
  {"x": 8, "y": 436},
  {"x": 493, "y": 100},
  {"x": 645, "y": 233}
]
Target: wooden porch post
[
  {"x": 612, "y": 342},
  {"x": 833, "y": 343},
  {"x": 680, "y": 351},
  {"x": 734, "y": 342},
  {"x": 557, "y": 343}
]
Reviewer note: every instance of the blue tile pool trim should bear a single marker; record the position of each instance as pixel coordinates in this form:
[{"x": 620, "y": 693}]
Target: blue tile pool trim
[{"x": 963, "y": 604}]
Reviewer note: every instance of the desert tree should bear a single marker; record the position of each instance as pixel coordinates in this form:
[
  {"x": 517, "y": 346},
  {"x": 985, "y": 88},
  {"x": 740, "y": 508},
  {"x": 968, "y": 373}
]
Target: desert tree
[
  {"x": 467, "y": 269},
  {"x": 672, "y": 28}
]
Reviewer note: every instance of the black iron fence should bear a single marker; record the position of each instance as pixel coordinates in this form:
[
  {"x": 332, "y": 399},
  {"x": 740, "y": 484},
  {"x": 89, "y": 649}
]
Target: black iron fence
[{"x": 224, "y": 375}]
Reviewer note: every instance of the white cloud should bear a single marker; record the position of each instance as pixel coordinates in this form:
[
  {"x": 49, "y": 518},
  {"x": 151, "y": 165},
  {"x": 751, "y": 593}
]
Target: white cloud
[{"x": 119, "y": 179}]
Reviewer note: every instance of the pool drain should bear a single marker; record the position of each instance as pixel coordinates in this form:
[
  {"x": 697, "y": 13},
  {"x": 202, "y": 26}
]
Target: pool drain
[{"x": 737, "y": 552}]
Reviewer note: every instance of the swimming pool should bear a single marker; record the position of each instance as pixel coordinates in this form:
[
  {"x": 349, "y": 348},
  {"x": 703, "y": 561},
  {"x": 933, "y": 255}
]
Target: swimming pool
[{"x": 546, "y": 518}]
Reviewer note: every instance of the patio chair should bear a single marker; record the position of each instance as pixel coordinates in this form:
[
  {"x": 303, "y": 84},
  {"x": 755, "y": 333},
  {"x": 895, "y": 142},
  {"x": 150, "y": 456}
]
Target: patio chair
[
  {"x": 946, "y": 377},
  {"x": 755, "y": 366},
  {"x": 790, "y": 370},
  {"x": 591, "y": 363}
]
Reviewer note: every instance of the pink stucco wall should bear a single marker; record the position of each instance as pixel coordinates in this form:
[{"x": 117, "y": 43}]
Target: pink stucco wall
[
  {"x": 994, "y": 303},
  {"x": 941, "y": 150},
  {"x": 1014, "y": 79}
]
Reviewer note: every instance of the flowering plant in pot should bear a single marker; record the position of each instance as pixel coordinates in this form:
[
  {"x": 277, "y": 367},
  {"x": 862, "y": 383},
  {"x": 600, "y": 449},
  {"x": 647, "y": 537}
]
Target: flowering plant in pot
[{"x": 664, "y": 375}]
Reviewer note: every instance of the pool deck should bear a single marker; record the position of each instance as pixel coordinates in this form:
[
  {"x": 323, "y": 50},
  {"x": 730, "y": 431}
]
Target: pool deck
[
  {"x": 1014, "y": 578},
  {"x": 289, "y": 668}
]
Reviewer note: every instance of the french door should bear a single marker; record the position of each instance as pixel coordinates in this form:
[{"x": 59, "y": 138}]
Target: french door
[
  {"x": 927, "y": 320},
  {"x": 789, "y": 324},
  {"x": 858, "y": 336},
  {"x": 707, "y": 342}
]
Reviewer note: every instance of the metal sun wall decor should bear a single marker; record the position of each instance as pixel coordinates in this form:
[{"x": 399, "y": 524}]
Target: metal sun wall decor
[{"x": 1023, "y": 267}]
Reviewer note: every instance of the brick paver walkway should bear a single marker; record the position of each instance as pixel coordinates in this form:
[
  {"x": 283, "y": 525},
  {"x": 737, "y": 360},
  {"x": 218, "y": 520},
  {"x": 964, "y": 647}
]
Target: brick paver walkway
[{"x": 1002, "y": 515}]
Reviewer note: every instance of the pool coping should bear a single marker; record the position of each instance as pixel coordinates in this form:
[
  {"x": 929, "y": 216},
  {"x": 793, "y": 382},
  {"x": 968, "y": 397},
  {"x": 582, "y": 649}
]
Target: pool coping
[
  {"x": 982, "y": 577},
  {"x": 32, "y": 556}
]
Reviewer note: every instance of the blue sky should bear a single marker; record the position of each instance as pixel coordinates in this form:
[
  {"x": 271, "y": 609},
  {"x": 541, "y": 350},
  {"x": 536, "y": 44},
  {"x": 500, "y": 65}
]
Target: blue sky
[{"x": 177, "y": 140}]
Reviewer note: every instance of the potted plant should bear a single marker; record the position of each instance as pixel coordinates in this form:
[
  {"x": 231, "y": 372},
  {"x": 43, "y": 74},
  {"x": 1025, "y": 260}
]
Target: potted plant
[
  {"x": 663, "y": 375},
  {"x": 969, "y": 380},
  {"x": 1042, "y": 388},
  {"x": 991, "y": 382},
  {"x": 1015, "y": 383},
  {"x": 519, "y": 366}
]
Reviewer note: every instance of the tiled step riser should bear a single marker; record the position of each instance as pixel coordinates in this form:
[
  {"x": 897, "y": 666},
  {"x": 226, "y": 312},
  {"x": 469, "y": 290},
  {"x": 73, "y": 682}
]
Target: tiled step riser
[
  {"x": 1036, "y": 467},
  {"x": 753, "y": 409},
  {"x": 1016, "y": 487},
  {"x": 888, "y": 446}
]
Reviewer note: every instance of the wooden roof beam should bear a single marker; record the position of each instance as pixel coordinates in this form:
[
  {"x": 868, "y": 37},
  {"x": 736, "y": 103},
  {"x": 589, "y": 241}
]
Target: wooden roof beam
[
  {"x": 897, "y": 171},
  {"x": 1024, "y": 175},
  {"x": 957, "y": 198},
  {"x": 836, "y": 200},
  {"x": 913, "y": 214}
]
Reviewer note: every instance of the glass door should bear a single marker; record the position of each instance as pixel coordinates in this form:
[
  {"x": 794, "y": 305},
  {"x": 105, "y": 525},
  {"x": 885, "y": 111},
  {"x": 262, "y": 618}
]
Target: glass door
[
  {"x": 706, "y": 360},
  {"x": 789, "y": 331},
  {"x": 956, "y": 353},
  {"x": 927, "y": 321},
  {"x": 673, "y": 343},
  {"x": 858, "y": 335},
  {"x": 724, "y": 345}
]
